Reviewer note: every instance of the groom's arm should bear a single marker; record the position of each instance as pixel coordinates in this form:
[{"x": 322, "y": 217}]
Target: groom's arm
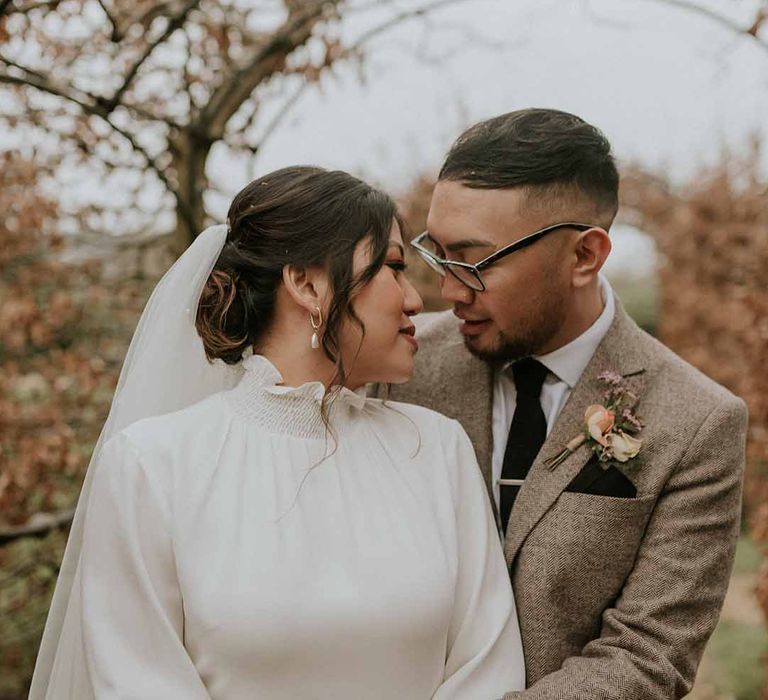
[{"x": 652, "y": 639}]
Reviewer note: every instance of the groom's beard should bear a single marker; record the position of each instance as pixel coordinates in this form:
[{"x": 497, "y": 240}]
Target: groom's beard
[{"x": 538, "y": 330}]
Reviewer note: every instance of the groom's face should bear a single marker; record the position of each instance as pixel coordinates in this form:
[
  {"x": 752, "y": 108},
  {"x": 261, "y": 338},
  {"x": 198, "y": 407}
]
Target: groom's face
[{"x": 528, "y": 293}]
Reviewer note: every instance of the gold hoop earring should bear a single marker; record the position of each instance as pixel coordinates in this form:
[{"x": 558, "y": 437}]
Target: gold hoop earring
[{"x": 315, "y": 342}]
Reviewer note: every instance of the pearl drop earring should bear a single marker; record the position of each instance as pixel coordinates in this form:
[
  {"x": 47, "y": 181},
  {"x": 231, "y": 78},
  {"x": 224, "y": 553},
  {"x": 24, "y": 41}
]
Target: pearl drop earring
[{"x": 315, "y": 342}]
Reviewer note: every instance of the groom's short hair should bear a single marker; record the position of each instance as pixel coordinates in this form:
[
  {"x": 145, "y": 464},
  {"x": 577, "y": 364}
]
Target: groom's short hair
[{"x": 557, "y": 156}]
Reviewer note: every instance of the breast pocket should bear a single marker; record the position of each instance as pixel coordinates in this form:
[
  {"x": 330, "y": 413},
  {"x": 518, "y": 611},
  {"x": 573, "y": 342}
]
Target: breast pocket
[
  {"x": 586, "y": 544},
  {"x": 589, "y": 506}
]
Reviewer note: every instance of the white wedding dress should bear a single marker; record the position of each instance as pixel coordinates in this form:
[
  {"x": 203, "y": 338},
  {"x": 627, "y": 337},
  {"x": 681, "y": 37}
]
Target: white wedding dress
[{"x": 234, "y": 550}]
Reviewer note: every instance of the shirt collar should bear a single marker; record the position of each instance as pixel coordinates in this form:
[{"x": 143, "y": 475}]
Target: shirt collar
[{"x": 569, "y": 362}]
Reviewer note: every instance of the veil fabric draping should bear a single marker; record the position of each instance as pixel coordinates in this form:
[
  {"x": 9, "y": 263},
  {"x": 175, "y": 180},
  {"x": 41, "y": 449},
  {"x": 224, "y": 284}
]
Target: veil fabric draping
[{"x": 165, "y": 370}]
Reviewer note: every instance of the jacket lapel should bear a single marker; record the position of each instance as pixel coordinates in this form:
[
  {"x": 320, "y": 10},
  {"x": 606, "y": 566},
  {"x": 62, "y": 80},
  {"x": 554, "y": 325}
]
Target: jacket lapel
[
  {"x": 467, "y": 383},
  {"x": 616, "y": 352}
]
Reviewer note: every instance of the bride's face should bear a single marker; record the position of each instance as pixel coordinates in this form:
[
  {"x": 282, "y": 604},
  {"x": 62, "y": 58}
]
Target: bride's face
[{"x": 384, "y": 306}]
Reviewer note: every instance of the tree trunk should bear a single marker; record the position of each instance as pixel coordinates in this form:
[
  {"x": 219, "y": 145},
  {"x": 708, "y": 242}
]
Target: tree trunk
[{"x": 190, "y": 153}]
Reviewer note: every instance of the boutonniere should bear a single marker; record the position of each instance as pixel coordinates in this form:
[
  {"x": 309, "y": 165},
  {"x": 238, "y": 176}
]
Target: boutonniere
[{"x": 609, "y": 429}]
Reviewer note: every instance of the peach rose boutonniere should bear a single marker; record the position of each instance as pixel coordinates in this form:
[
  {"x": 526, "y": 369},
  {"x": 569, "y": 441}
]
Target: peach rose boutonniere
[{"x": 609, "y": 429}]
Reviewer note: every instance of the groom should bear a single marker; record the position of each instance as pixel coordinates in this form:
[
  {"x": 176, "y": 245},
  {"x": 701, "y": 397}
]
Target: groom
[{"x": 619, "y": 565}]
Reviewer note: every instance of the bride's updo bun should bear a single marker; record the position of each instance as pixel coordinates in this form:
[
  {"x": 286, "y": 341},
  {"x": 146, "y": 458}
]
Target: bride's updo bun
[
  {"x": 220, "y": 315},
  {"x": 303, "y": 216}
]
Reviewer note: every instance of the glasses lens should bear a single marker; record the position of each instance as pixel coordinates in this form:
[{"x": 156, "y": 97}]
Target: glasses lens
[
  {"x": 430, "y": 246},
  {"x": 436, "y": 266},
  {"x": 466, "y": 276}
]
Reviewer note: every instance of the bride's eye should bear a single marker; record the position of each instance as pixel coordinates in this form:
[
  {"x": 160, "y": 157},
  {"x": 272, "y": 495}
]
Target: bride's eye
[{"x": 397, "y": 265}]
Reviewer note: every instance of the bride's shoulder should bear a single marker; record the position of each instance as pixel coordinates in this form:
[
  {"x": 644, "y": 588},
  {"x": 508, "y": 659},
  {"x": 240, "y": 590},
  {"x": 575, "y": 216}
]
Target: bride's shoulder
[
  {"x": 187, "y": 427},
  {"x": 163, "y": 448}
]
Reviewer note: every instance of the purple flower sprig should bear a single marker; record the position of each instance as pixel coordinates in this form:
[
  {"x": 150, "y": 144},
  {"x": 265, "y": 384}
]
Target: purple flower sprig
[{"x": 621, "y": 402}]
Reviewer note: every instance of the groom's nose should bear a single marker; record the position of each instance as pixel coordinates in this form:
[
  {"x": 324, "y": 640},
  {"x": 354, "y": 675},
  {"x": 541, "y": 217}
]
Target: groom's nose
[{"x": 454, "y": 291}]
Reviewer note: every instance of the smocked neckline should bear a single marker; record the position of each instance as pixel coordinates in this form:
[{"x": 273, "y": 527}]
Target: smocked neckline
[{"x": 263, "y": 398}]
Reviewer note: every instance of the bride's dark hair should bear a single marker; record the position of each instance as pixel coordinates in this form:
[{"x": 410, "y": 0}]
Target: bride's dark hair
[{"x": 303, "y": 216}]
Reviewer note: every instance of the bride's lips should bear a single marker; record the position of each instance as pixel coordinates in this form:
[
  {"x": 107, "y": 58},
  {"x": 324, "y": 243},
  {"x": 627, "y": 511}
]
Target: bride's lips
[{"x": 409, "y": 333}]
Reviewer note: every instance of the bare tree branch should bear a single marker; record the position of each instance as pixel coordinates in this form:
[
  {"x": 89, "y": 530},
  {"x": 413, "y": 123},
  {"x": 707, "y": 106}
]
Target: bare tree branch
[
  {"x": 52, "y": 4},
  {"x": 275, "y": 122},
  {"x": 144, "y": 113},
  {"x": 762, "y": 16},
  {"x": 174, "y": 23},
  {"x": 366, "y": 6},
  {"x": 116, "y": 33},
  {"x": 351, "y": 50},
  {"x": 186, "y": 78},
  {"x": 93, "y": 104},
  {"x": 25, "y": 69},
  {"x": 278, "y": 118},
  {"x": 96, "y": 109},
  {"x": 401, "y": 17},
  {"x": 270, "y": 59},
  {"x": 36, "y": 80},
  {"x": 598, "y": 19},
  {"x": 722, "y": 20},
  {"x": 41, "y": 524},
  {"x": 148, "y": 159}
]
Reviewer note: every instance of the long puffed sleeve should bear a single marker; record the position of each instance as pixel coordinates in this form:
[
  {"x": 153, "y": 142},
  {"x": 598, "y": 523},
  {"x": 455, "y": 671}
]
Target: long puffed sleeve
[
  {"x": 130, "y": 602},
  {"x": 485, "y": 653}
]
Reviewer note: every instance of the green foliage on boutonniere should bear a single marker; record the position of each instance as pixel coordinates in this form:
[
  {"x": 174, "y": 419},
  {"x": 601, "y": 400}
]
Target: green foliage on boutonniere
[{"x": 609, "y": 428}]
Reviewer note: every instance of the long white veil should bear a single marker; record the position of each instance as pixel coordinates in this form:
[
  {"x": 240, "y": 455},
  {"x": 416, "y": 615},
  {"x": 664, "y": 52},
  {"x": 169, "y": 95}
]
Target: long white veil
[{"x": 165, "y": 370}]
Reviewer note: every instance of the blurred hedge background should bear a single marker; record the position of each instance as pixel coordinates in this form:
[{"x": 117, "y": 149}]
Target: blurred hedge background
[{"x": 70, "y": 294}]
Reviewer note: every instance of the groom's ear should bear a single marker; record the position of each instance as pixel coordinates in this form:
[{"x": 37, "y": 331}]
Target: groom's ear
[
  {"x": 307, "y": 286},
  {"x": 592, "y": 248}
]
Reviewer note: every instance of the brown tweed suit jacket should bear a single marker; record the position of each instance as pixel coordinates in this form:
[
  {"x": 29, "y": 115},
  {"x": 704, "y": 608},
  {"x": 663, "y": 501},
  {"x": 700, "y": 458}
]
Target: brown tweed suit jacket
[{"x": 616, "y": 596}]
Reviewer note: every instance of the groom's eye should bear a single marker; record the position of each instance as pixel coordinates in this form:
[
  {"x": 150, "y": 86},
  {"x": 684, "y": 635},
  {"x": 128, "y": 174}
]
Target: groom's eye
[{"x": 434, "y": 247}]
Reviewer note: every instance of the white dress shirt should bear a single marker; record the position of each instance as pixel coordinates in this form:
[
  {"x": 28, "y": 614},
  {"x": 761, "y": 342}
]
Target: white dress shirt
[{"x": 565, "y": 366}]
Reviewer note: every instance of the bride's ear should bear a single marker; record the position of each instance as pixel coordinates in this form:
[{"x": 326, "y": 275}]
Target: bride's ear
[{"x": 307, "y": 286}]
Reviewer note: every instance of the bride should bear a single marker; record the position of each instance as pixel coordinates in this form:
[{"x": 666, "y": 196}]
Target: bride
[{"x": 252, "y": 525}]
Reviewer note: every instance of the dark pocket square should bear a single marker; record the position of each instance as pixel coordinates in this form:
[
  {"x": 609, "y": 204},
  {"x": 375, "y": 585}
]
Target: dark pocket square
[{"x": 593, "y": 479}]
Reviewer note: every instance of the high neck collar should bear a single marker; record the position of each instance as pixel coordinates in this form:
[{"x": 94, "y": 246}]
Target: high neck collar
[{"x": 296, "y": 411}]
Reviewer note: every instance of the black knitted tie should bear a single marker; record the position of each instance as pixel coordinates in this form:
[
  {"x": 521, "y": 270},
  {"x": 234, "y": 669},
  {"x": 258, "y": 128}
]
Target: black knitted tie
[{"x": 527, "y": 432}]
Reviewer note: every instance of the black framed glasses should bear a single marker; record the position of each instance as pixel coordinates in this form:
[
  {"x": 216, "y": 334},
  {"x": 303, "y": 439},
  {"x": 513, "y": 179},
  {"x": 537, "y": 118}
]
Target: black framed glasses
[{"x": 469, "y": 274}]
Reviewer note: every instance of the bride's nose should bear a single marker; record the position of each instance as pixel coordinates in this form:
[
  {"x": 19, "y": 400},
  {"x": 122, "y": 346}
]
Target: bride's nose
[{"x": 412, "y": 301}]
